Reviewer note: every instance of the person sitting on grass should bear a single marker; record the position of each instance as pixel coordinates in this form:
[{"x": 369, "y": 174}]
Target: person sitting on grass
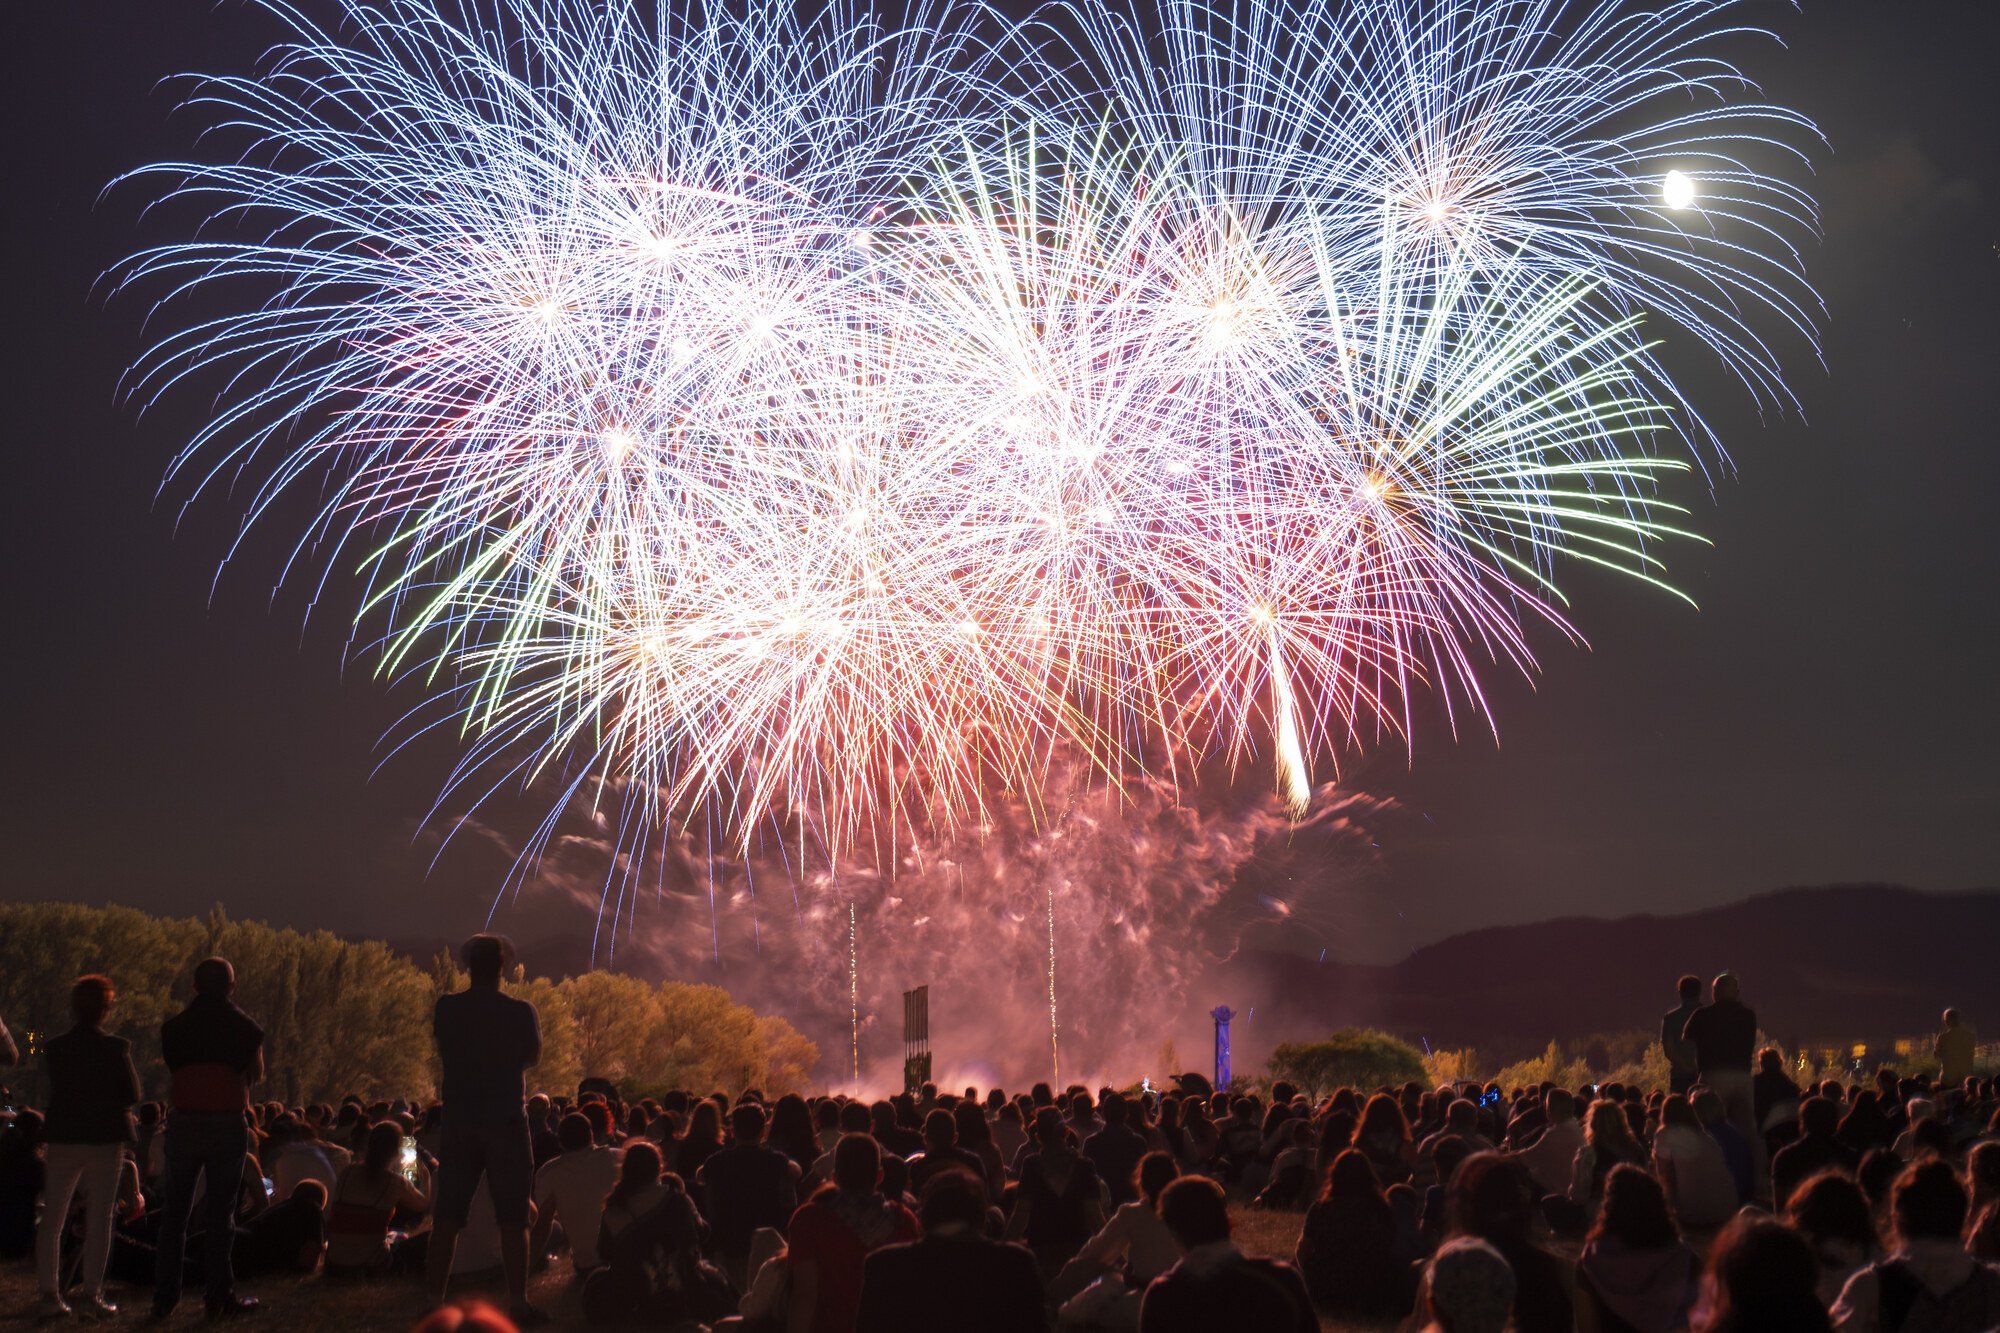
[
  {"x": 1134, "y": 1245},
  {"x": 1468, "y": 1288},
  {"x": 649, "y": 1244},
  {"x": 955, "y": 1277},
  {"x": 1351, "y": 1251},
  {"x": 1057, "y": 1206},
  {"x": 1691, "y": 1165},
  {"x": 364, "y": 1204},
  {"x": 570, "y": 1189},
  {"x": 1832, "y": 1213},
  {"x": 1817, "y": 1149},
  {"x": 1492, "y": 1199},
  {"x": 1216, "y": 1285},
  {"x": 1929, "y": 1281},
  {"x": 1761, "y": 1278},
  {"x": 833, "y": 1233},
  {"x": 1636, "y": 1275}
]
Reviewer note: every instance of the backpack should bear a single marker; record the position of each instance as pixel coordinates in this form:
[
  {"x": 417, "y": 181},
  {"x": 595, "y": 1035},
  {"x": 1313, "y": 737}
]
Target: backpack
[{"x": 1905, "y": 1305}]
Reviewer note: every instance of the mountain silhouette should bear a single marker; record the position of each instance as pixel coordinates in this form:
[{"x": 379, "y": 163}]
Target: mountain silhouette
[{"x": 1851, "y": 962}]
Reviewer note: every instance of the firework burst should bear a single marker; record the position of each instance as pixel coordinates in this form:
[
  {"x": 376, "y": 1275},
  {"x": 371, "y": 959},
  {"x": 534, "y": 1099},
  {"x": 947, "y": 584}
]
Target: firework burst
[{"x": 820, "y": 424}]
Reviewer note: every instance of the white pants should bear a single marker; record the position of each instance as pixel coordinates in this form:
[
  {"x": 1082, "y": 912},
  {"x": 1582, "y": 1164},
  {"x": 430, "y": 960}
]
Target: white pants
[{"x": 95, "y": 1168}]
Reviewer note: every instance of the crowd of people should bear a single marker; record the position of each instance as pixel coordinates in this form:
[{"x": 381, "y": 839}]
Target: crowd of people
[{"x": 1732, "y": 1199}]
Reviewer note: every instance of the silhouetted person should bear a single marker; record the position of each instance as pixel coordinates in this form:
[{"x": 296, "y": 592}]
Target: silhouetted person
[
  {"x": 214, "y": 1052},
  {"x": 92, "y": 1088},
  {"x": 942, "y": 1152},
  {"x": 1491, "y": 1199},
  {"x": 1832, "y": 1213},
  {"x": 1928, "y": 1281},
  {"x": 1056, "y": 1207},
  {"x": 486, "y": 1042},
  {"x": 1723, "y": 1034},
  {"x": 955, "y": 1277},
  {"x": 1114, "y": 1151},
  {"x": 1351, "y": 1251},
  {"x": 1216, "y": 1285},
  {"x": 1468, "y": 1288},
  {"x": 1762, "y": 1279},
  {"x": 1636, "y": 1272},
  {"x": 1816, "y": 1149},
  {"x": 1673, "y": 1039},
  {"x": 831, "y": 1237},
  {"x": 747, "y": 1185},
  {"x": 1955, "y": 1048}
]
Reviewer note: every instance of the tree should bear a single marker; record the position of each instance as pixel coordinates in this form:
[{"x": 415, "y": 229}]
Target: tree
[
  {"x": 614, "y": 1016},
  {"x": 344, "y": 1016},
  {"x": 1359, "y": 1058},
  {"x": 788, "y": 1056}
]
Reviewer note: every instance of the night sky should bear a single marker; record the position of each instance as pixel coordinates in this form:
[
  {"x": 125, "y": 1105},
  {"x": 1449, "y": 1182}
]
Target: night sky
[{"x": 1829, "y": 714}]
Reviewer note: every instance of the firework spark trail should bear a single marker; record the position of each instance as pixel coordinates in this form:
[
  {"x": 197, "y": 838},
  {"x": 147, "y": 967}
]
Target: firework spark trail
[
  {"x": 759, "y": 418},
  {"x": 1055, "y": 1028},
  {"x": 854, "y": 996}
]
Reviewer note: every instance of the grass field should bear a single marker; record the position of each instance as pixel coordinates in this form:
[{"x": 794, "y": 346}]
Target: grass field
[{"x": 312, "y": 1305}]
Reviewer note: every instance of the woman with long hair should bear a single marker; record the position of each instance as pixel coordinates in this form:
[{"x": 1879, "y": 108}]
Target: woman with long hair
[
  {"x": 648, "y": 1244},
  {"x": 1383, "y": 1136},
  {"x": 976, "y": 1137},
  {"x": 1202, "y": 1136},
  {"x": 791, "y": 1131},
  {"x": 1350, "y": 1250},
  {"x": 703, "y": 1141},
  {"x": 1492, "y": 1199},
  {"x": 1608, "y": 1141},
  {"x": 364, "y": 1202},
  {"x": 1636, "y": 1275}
]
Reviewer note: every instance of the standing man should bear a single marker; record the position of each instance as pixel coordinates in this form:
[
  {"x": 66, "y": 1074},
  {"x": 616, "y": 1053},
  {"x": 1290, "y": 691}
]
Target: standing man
[
  {"x": 1680, "y": 1055},
  {"x": 1723, "y": 1034},
  {"x": 92, "y": 1088},
  {"x": 214, "y": 1052},
  {"x": 486, "y": 1042},
  {"x": 1956, "y": 1045}
]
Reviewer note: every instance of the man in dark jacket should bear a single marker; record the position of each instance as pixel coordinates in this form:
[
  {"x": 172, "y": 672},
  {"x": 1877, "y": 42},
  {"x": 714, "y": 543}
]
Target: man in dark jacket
[
  {"x": 1216, "y": 1285},
  {"x": 214, "y": 1052},
  {"x": 92, "y": 1088},
  {"x": 955, "y": 1277},
  {"x": 1815, "y": 1150},
  {"x": 745, "y": 1186}
]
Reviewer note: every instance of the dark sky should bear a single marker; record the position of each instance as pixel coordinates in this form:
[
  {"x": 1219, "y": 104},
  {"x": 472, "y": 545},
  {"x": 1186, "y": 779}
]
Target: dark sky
[{"x": 1828, "y": 714}]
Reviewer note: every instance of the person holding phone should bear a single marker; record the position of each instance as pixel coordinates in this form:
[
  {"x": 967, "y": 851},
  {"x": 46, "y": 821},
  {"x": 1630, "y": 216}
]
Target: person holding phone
[{"x": 366, "y": 1199}]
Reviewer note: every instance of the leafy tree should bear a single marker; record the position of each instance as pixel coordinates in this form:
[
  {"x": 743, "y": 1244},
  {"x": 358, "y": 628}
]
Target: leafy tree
[
  {"x": 1359, "y": 1058},
  {"x": 613, "y": 1015},
  {"x": 343, "y": 1016}
]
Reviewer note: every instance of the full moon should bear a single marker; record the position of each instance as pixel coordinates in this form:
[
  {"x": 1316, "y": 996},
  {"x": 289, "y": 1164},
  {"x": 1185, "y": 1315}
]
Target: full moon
[{"x": 1678, "y": 189}]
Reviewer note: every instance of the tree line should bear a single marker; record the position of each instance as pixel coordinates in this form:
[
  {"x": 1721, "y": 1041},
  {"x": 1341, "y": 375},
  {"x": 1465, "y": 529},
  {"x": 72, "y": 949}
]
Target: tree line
[{"x": 347, "y": 1016}]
